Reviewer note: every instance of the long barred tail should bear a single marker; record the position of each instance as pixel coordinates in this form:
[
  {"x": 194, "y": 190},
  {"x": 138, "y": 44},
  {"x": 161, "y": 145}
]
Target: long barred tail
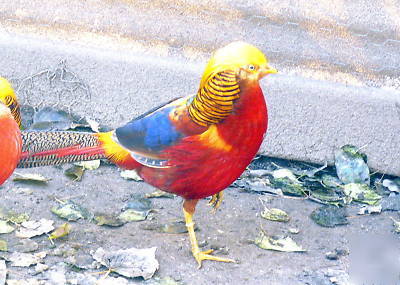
[{"x": 58, "y": 147}]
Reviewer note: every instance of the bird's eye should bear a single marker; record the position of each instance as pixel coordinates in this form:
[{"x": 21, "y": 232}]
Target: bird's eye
[{"x": 252, "y": 67}]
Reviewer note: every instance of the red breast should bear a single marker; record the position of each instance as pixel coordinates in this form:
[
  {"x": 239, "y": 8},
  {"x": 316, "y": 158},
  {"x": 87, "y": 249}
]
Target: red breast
[{"x": 10, "y": 143}]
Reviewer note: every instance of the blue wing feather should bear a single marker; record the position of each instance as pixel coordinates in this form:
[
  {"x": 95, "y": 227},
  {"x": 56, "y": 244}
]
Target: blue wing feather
[{"x": 149, "y": 134}]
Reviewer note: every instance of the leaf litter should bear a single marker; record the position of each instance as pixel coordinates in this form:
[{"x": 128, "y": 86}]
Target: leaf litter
[
  {"x": 19, "y": 259},
  {"x": 60, "y": 232},
  {"x": 174, "y": 227},
  {"x": 277, "y": 243},
  {"x": 136, "y": 209},
  {"x": 131, "y": 175},
  {"x": 13, "y": 217},
  {"x": 30, "y": 178},
  {"x": 30, "y": 229},
  {"x": 70, "y": 211},
  {"x": 130, "y": 262},
  {"x": 329, "y": 216},
  {"x": 3, "y": 245},
  {"x": 346, "y": 183},
  {"x": 315, "y": 182},
  {"x": 5, "y": 227},
  {"x": 274, "y": 214}
]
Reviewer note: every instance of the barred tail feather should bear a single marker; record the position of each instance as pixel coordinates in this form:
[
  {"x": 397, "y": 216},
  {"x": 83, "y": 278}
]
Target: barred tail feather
[{"x": 59, "y": 147}]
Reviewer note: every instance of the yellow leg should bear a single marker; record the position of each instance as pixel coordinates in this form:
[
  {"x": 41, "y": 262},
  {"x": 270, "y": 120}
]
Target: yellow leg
[
  {"x": 189, "y": 207},
  {"x": 216, "y": 200}
]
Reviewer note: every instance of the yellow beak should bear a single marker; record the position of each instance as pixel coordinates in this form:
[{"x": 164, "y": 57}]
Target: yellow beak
[{"x": 266, "y": 70}]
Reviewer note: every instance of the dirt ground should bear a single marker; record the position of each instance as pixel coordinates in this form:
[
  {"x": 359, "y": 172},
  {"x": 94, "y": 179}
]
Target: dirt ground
[{"x": 232, "y": 228}]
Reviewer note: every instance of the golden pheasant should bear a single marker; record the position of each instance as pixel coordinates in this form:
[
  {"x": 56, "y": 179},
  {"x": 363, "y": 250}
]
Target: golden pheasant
[
  {"x": 10, "y": 135},
  {"x": 195, "y": 146}
]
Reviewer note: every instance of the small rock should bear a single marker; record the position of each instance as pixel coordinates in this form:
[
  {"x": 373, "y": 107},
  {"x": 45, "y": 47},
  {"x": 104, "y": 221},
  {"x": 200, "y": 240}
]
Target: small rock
[
  {"x": 341, "y": 251},
  {"x": 370, "y": 210},
  {"x": 223, "y": 250},
  {"x": 332, "y": 255},
  {"x": 40, "y": 267},
  {"x": 391, "y": 185}
]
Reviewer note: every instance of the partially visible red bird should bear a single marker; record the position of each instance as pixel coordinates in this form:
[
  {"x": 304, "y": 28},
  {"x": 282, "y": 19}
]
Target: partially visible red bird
[
  {"x": 10, "y": 135},
  {"x": 194, "y": 147}
]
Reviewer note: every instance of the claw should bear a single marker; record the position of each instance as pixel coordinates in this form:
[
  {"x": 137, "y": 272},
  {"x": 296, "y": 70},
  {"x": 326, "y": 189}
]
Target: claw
[
  {"x": 205, "y": 255},
  {"x": 188, "y": 210},
  {"x": 216, "y": 200}
]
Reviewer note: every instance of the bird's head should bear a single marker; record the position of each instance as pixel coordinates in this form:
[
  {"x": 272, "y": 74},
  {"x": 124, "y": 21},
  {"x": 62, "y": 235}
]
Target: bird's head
[
  {"x": 9, "y": 99},
  {"x": 6, "y": 91},
  {"x": 246, "y": 60}
]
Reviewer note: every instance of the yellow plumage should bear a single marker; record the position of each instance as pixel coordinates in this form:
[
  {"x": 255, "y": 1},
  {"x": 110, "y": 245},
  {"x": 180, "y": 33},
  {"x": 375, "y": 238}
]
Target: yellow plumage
[{"x": 8, "y": 98}]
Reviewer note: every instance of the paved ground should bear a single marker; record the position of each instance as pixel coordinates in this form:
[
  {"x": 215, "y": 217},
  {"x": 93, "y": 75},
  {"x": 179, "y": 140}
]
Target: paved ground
[
  {"x": 234, "y": 226},
  {"x": 338, "y": 81}
]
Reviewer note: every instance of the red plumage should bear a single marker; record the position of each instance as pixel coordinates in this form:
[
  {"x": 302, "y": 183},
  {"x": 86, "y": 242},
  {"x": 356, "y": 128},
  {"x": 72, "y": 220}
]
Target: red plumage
[
  {"x": 200, "y": 170},
  {"x": 10, "y": 138}
]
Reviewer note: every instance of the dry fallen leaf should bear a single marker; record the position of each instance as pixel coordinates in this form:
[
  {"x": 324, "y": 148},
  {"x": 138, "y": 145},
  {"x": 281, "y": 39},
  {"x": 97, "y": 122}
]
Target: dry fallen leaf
[
  {"x": 131, "y": 175},
  {"x": 159, "y": 194},
  {"x": 29, "y": 281},
  {"x": 5, "y": 228},
  {"x": 19, "y": 259},
  {"x": 75, "y": 172},
  {"x": 131, "y": 215},
  {"x": 70, "y": 211},
  {"x": 35, "y": 228},
  {"x": 3, "y": 246},
  {"x": 93, "y": 124},
  {"x": 361, "y": 193},
  {"x": 286, "y": 244},
  {"x": 28, "y": 177},
  {"x": 275, "y": 214},
  {"x": 61, "y": 231},
  {"x": 89, "y": 165},
  {"x": 130, "y": 262}
]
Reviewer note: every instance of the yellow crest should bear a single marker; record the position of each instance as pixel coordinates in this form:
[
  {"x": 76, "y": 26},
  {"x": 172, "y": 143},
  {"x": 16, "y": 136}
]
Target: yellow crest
[
  {"x": 8, "y": 98},
  {"x": 231, "y": 57}
]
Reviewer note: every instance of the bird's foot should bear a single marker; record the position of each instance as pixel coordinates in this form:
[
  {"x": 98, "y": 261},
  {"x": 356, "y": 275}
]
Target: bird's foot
[
  {"x": 216, "y": 200},
  {"x": 206, "y": 255}
]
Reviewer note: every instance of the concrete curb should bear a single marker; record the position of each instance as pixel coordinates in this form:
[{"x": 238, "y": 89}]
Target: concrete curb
[{"x": 316, "y": 103}]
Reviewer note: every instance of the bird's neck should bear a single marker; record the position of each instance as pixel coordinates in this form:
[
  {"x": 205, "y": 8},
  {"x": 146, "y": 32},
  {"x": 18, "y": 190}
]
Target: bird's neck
[
  {"x": 247, "y": 125},
  {"x": 215, "y": 100}
]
